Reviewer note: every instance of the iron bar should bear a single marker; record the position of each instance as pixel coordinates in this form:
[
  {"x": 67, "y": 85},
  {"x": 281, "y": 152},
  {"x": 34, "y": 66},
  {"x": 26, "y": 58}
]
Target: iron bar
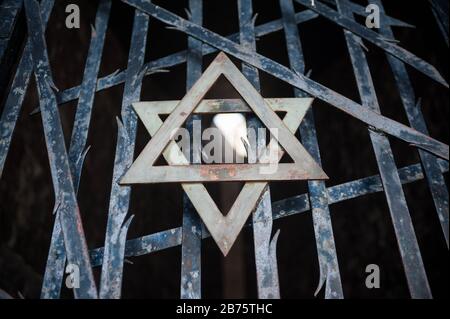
[
  {"x": 54, "y": 270},
  {"x": 265, "y": 258},
  {"x": 401, "y": 219},
  {"x": 384, "y": 43},
  {"x": 65, "y": 198},
  {"x": 177, "y": 58},
  {"x": 19, "y": 86},
  {"x": 323, "y": 229},
  {"x": 436, "y": 181},
  {"x": 286, "y": 207},
  {"x": 180, "y": 57},
  {"x": 361, "y": 11},
  {"x": 117, "y": 227},
  {"x": 9, "y": 39},
  {"x": 298, "y": 80},
  {"x": 440, "y": 11},
  {"x": 191, "y": 255}
]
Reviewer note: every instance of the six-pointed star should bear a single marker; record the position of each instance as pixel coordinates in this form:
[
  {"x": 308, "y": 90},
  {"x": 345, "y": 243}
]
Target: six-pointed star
[{"x": 223, "y": 228}]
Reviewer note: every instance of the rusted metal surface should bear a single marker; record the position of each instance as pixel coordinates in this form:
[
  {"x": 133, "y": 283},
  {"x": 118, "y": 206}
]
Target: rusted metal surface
[
  {"x": 178, "y": 58},
  {"x": 440, "y": 11},
  {"x": 329, "y": 275},
  {"x": 298, "y": 80},
  {"x": 219, "y": 173},
  {"x": 401, "y": 219},
  {"x": 436, "y": 181},
  {"x": 283, "y": 208},
  {"x": 144, "y": 171},
  {"x": 224, "y": 228},
  {"x": 384, "y": 43},
  {"x": 361, "y": 11},
  {"x": 18, "y": 88},
  {"x": 66, "y": 206},
  {"x": 265, "y": 257},
  {"x": 54, "y": 270},
  {"x": 9, "y": 40},
  {"x": 191, "y": 255},
  {"x": 68, "y": 237},
  {"x": 117, "y": 226}
]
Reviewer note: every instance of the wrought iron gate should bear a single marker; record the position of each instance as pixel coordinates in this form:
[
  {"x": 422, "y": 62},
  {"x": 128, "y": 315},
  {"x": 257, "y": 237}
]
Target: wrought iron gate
[{"x": 68, "y": 244}]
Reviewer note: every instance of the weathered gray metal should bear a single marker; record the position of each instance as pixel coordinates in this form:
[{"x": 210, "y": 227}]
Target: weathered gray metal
[
  {"x": 401, "y": 219},
  {"x": 265, "y": 248},
  {"x": 283, "y": 208},
  {"x": 54, "y": 270},
  {"x": 436, "y": 181},
  {"x": 66, "y": 206},
  {"x": 117, "y": 226},
  {"x": 19, "y": 87},
  {"x": 144, "y": 171},
  {"x": 298, "y": 80},
  {"x": 66, "y": 168},
  {"x": 224, "y": 229},
  {"x": 384, "y": 43},
  {"x": 191, "y": 255},
  {"x": 329, "y": 275}
]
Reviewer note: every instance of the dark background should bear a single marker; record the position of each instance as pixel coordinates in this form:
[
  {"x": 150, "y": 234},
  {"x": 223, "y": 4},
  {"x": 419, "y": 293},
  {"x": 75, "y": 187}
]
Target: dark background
[{"x": 362, "y": 227}]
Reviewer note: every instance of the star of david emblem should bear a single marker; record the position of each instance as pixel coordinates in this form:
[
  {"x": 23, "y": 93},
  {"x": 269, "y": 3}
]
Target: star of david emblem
[{"x": 223, "y": 228}]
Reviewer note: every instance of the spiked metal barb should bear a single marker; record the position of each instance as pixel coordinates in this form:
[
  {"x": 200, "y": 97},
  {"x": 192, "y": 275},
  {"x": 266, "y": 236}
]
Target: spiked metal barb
[{"x": 201, "y": 216}]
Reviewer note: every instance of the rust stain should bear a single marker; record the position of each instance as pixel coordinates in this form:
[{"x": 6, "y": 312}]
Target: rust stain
[{"x": 218, "y": 173}]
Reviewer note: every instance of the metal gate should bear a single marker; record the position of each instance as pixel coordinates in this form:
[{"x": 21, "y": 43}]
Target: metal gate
[{"x": 68, "y": 244}]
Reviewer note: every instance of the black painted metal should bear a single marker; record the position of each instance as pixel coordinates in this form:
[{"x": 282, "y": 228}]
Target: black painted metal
[
  {"x": 323, "y": 230},
  {"x": 265, "y": 248},
  {"x": 66, "y": 206},
  {"x": 406, "y": 237},
  {"x": 191, "y": 257},
  {"x": 68, "y": 237},
  {"x": 54, "y": 270}
]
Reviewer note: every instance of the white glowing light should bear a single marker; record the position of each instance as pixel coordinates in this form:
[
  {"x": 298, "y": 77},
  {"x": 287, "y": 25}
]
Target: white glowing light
[{"x": 233, "y": 127}]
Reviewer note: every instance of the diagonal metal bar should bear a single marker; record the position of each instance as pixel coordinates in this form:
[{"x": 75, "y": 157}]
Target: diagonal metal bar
[
  {"x": 401, "y": 219},
  {"x": 286, "y": 207},
  {"x": 266, "y": 266},
  {"x": 440, "y": 11},
  {"x": 191, "y": 257},
  {"x": 117, "y": 227},
  {"x": 18, "y": 89},
  {"x": 436, "y": 181},
  {"x": 376, "y": 39},
  {"x": 323, "y": 230},
  {"x": 54, "y": 270},
  {"x": 179, "y": 57},
  {"x": 298, "y": 80},
  {"x": 9, "y": 36},
  {"x": 65, "y": 198},
  {"x": 361, "y": 11},
  {"x": 9, "y": 10}
]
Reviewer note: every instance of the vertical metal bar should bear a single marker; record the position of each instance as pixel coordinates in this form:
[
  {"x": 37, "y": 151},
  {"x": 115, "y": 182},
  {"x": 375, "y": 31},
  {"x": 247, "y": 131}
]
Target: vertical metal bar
[
  {"x": 323, "y": 230},
  {"x": 430, "y": 163},
  {"x": 54, "y": 270},
  {"x": 401, "y": 219},
  {"x": 440, "y": 12},
  {"x": 17, "y": 91},
  {"x": 179, "y": 57},
  {"x": 117, "y": 227},
  {"x": 265, "y": 253},
  {"x": 373, "y": 37},
  {"x": 191, "y": 254},
  {"x": 10, "y": 40},
  {"x": 65, "y": 198},
  {"x": 9, "y": 12}
]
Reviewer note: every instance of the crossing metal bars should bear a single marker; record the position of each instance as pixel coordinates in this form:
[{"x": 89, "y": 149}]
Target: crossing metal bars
[{"x": 68, "y": 241}]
